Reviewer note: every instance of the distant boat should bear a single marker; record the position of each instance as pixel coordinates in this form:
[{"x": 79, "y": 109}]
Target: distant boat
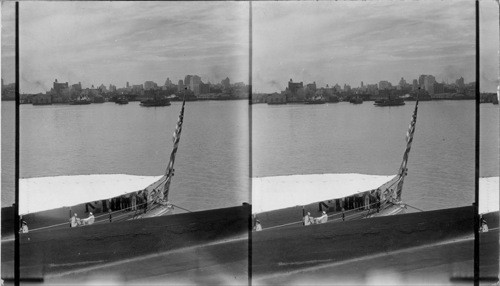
[
  {"x": 155, "y": 102},
  {"x": 122, "y": 100},
  {"x": 356, "y": 100},
  {"x": 316, "y": 100},
  {"x": 333, "y": 99},
  {"x": 99, "y": 99},
  {"x": 390, "y": 102},
  {"x": 80, "y": 100}
]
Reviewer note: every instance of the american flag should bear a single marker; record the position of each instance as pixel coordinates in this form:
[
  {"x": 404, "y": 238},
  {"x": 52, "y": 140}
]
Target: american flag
[
  {"x": 409, "y": 140},
  {"x": 176, "y": 138}
]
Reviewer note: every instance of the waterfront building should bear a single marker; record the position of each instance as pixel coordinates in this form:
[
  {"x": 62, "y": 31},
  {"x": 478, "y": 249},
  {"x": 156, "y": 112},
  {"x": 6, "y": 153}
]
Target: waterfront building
[
  {"x": 429, "y": 81},
  {"x": 402, "y": 83},
  {"x": 41, "y": 99},
  {"x": 276, "y": 98},
  {"x": 460, "y": 82},
  {"x": 137, "y": 89},
  {"x": 372, "y": 89},
  {"x": 293, "y": 87},
  {"x": 58, "y": 86},
  {"x": 439, "y": 87},
  {"x": 102, "y": 88},
  {"x": 311, "y": 86},
  {"x": 383, "y": 84},
  {"x": 421, "y": 79},
  {"x": 204, "y": 88},
  {"x": 226, "y": 84},
  {"x": 347, "y": 88},
  {"x": 415, "y": 85},
  {"x": 150, "y": 85},
  {"x": 337, "y": 88},
  {"x": 168, "y": 83},
  {"x": 180, "y": 86},
  {"x": 187, "y": 80},
  {"x": 194, "y": 84}
]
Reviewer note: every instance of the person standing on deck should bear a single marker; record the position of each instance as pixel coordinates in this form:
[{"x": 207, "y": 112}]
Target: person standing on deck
[
  {"x": 307, "y": 219},
  {"x": 145, "y": 200},
  {"x": 258, "y": 226},
  {"x": 73, "y": 220},
  {"x": 24, "y": 227},
  {"x": 90, "y": 219},
  {"x": 322, "y": 219},
  {"x": 134, "y": 201}
]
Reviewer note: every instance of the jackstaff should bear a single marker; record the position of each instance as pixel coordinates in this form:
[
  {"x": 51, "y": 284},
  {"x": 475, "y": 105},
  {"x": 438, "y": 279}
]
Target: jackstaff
[{"x": 176, "y": 138}]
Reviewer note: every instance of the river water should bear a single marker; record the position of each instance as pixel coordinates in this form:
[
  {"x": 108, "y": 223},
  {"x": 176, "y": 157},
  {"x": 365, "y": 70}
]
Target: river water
[{"x": 213, "y": 161}]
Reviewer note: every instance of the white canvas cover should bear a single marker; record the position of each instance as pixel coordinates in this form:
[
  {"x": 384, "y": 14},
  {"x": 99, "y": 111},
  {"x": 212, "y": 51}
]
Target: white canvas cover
[
  {"x": 45, "y": 193},
  {"x": 277, "y": 192}
]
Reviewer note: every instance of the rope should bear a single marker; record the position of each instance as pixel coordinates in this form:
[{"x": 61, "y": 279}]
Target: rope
[
  {"x": 414, "y": 207},
  {"x": 332, "y": 215},
  {"x": 181, "y": 208},
  {"x": 100, "y": 216}
]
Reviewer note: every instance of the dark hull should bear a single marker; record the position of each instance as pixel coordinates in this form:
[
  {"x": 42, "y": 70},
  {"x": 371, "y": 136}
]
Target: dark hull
[
  {"x": 155, "y": 103},
  {"x": 277, "y": 251},
  {"x": 385, "y": 102},
  {"x": 52, "y": 252},
  {"x": 79, "y": 102},
  {"x": 316, "y": 102}
]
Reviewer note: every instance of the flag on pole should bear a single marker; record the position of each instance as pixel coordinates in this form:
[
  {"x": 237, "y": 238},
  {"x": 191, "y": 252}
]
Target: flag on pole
[
  {"x": 409, "y": 140},
  {"x": 176, "y": 138}
]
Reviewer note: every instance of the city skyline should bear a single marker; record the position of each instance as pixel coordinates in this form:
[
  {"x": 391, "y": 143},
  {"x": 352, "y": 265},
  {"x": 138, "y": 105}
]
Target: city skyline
[
  {"x": 344, "y": 61},
  {"x": 349, "y": 42},
  {"x": 115, "y": 42}
]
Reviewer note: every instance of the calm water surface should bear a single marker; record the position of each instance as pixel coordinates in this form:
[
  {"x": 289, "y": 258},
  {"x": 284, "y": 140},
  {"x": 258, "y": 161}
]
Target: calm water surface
[
  {"x": 212, "y": 164},
  {"x": 212, "y": 160},
  {"x": 345, "y": 138}
]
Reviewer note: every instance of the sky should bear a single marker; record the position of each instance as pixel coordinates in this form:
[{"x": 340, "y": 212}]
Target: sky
[
  {"x": 8, "y": 42},
  {"x": 115, "y": 42},
  {"x": 327, "y": 42},
  {"x": 347, "y": 42}
]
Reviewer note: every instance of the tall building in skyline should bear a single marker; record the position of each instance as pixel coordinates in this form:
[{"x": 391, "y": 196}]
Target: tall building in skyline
[
  {"x": 59, "y": 87},
  {"x": 150, "y": 85},
  {"x": 194, "y": 84},
  {"x": 180, "y": 86},
  {"x": 383, "y": 84},
  {"x": 415, "y": 85},
  {"x": 421, "y": 79},
  {"x": 226, "y": 83},
  {"x": 402, "y": 83},
  {"x": 429, "y": 81},
  {"x": 168, "y": 82},
  {"x": 187, "y": 80},
  {"x": 293, "y": 87}
]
